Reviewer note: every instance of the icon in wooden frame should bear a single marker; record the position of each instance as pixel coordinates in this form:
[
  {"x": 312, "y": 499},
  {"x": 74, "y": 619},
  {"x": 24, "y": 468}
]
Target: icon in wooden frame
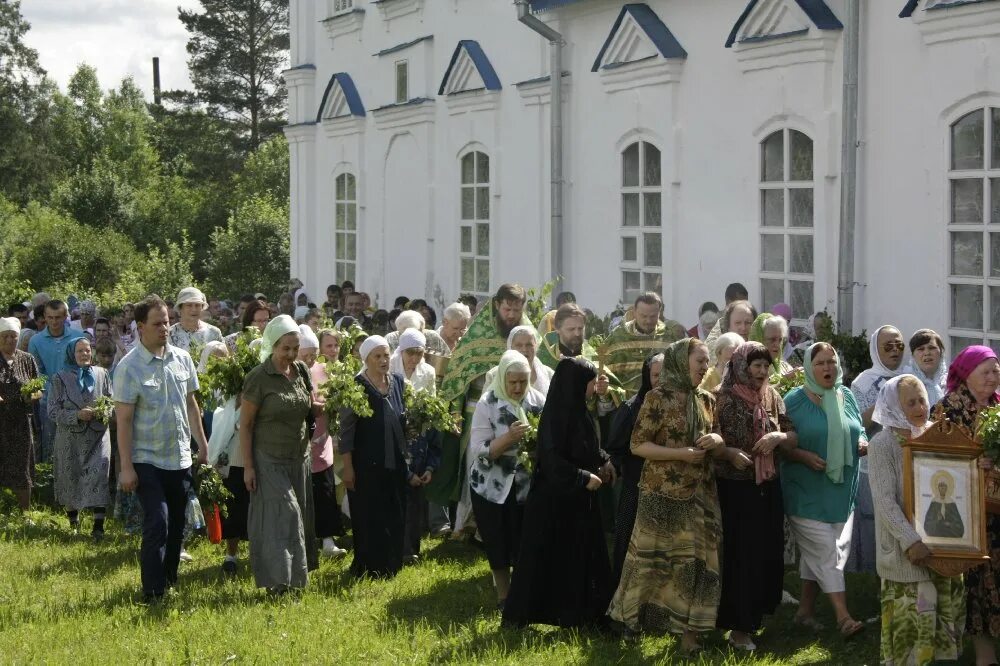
[{"x": 944, "y": 497}]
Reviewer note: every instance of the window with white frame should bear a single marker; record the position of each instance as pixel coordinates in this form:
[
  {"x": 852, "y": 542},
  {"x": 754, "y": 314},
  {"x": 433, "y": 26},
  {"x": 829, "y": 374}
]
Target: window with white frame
[
  {"x": 786, "y": 222},
  {"x": 341, "y": 6},
  {"x": 402, "y": 81},
  {"x": 974, "y": 229},
  {"x": 474, "y": 231},
  {"x": 346, "y": 239},
  {"x": 641, "y": 249}
]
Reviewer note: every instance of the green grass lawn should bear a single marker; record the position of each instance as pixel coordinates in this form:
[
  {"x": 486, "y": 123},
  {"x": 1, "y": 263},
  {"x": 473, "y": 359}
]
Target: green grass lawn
[{"x": 65, "y": 600}]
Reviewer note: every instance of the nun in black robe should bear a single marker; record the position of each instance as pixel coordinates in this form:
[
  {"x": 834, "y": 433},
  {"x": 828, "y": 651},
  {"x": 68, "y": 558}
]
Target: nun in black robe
[
  {"x": 628, "y": 466},
  {"x": 563, "y": 576}
]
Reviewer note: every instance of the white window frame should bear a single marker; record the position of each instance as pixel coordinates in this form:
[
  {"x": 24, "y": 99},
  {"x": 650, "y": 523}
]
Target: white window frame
[
  {"x": 471, "y": 227},
  {"x": 989, "y": 227},
  {"x": 786, "y": 230},
  {"x": 650, "y": 276},
  {"x": 404, "y": 67},
  {"x": 345, "y": 206},
  {"x": 341, "y": 7}
]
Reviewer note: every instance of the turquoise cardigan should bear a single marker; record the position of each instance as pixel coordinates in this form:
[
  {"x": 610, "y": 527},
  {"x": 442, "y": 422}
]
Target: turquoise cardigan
[{"x": 808, "y": 493}]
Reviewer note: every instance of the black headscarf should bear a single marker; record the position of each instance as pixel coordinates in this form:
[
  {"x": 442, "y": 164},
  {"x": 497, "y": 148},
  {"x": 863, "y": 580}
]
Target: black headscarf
[{"x": 566, "y": 433}]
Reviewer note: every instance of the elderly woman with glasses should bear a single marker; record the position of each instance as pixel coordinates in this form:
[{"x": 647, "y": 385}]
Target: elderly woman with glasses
[{"x": 886, "y": 349}]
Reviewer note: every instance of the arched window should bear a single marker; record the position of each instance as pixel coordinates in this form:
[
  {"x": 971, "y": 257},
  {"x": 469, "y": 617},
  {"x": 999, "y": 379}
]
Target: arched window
[
  {"x": 474, "y": 231},
  {"x": 346, "y": 240},
  {"x": 974, "y": 228},
  {"x": 641, "y": 221},
  {"x": 786, "y": 222}
]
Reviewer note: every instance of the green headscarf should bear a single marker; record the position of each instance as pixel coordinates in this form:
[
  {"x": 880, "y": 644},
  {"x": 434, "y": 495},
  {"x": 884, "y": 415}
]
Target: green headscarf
[
  {"x": 511, "y": 361},
  {"x": 838, "y": 434},
  {"x": 757, "y": 335},
  {"x": 676, "y": 377},
  {"x": 277, "y": 328}
]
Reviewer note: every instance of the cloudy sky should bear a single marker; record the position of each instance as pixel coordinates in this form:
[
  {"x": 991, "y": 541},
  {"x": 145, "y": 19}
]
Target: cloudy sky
[{"x": 118, "y": 37}]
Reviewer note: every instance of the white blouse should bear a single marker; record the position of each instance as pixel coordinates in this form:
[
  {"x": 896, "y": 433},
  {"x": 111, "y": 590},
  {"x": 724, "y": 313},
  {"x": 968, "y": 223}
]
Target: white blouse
[{"x": 493, "y": 479}]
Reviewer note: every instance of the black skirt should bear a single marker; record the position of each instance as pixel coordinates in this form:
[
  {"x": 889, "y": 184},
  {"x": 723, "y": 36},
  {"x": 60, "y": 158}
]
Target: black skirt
[
  {"x": 325, "y": 507},
  {"x": 234, "y": 526},
  {"x": 500, "y": 527},
  {"x": 628, "y": 507},
  {"x": 563, "y": 575},
  {"x": 753, "y": 565}
]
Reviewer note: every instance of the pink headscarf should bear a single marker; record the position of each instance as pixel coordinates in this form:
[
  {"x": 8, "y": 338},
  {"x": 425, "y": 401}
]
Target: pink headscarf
[
  {"x": 965, "y": 363},
  {"x": 783, "y": 310}
]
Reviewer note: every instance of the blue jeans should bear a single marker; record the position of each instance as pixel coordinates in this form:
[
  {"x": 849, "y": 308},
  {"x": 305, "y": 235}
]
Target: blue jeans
[{"x": 163, "y": 494}]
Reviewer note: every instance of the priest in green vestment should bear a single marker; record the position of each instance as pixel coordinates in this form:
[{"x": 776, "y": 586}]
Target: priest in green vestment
[
  {"x": 476, "y": 353},
  {"x": 628, "y": 346}
]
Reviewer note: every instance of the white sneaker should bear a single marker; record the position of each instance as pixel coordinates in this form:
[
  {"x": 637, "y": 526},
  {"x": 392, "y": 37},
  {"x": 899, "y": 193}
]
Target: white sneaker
[
  {"x": 186, "y": 556},
  {"x": 787, "y": 598},
  {"x": 331, "y": 549}
]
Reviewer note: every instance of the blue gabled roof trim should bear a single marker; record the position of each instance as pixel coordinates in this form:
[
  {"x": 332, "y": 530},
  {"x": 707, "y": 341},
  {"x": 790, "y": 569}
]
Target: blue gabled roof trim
[
  {"x": 483, "y": 65},
  {"x": 817, "y": 10},
  {"x": 405, "y": 45},
  {"x": 655, "y": 29},
  {"x": 350, "y": 93},
  {"x": 911, "y": 6}
]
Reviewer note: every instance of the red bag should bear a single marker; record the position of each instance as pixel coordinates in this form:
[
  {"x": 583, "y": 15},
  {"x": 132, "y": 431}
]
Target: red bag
[{"x": 213, "y": 524}]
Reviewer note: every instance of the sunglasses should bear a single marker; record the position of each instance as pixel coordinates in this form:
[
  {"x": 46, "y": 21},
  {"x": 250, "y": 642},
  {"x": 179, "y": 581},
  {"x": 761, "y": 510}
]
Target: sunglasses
[{"x": 893, "y": 346}]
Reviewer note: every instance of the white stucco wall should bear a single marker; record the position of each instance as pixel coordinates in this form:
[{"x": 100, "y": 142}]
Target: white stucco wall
[{"x": 917, "y": 77}]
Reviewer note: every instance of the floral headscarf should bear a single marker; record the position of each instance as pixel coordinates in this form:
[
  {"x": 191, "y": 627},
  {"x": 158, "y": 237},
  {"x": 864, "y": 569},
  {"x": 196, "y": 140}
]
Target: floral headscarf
[
  {"x": 737, "y": 381},
  {"x": 676, "y": 377}
]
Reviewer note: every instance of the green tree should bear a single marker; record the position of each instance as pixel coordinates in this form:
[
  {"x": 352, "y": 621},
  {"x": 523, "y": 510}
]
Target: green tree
[
  {"x": 265, "y": 172},
  {"x": 237, "y": 49},
  {"x": 252, "y": 252},
  {"x": 27, "y": 166},
  {"x": 51, "y": 250}
]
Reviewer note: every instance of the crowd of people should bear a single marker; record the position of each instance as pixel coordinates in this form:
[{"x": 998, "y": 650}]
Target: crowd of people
[{"x": 673, "y": 439}]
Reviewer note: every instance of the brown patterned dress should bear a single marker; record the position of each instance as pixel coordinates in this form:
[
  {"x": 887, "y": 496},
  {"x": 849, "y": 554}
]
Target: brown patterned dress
[
  {"x": 982, "y": 583},
  {"x": 671, "y": 576},
  {"x": 17, "y": 436}
]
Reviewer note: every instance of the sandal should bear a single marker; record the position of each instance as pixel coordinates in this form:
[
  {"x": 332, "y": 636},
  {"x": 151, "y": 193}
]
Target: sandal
[
  {"x": 849, "y": 627},
  {"x": 809, "y": 622}
]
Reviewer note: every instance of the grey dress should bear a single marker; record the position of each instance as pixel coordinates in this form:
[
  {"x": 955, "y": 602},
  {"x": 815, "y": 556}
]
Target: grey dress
[
  {"x": 82, "y": 451},
  {"x": 280, "y": 523}
]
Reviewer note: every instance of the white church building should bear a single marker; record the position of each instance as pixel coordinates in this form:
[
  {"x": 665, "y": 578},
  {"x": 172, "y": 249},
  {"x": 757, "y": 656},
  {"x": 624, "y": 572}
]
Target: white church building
[{"x": 702, "y": 142}]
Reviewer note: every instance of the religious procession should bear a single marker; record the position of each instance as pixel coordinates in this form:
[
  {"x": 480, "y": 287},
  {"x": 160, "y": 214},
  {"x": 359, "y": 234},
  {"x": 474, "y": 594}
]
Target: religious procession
[{"x": 659, "y": 479}]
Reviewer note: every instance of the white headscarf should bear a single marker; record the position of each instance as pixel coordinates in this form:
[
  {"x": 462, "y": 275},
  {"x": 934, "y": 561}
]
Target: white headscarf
[
  {"x": 889, "y": 410},
  {"x": 370, "y": 344},
  {"x": 207, "y": 353},
  {"x": 10, "y": 324},
  {"x": 307, "y": 339},
  {"x": 277, "y": 328},
  {"x": 424, "y": 376},
  {"x": 300, "y": 312},
  {"x": 867, "y": 385},
  {"x": 300, "y": 292},
  {"x": 542, "y": 373}
]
